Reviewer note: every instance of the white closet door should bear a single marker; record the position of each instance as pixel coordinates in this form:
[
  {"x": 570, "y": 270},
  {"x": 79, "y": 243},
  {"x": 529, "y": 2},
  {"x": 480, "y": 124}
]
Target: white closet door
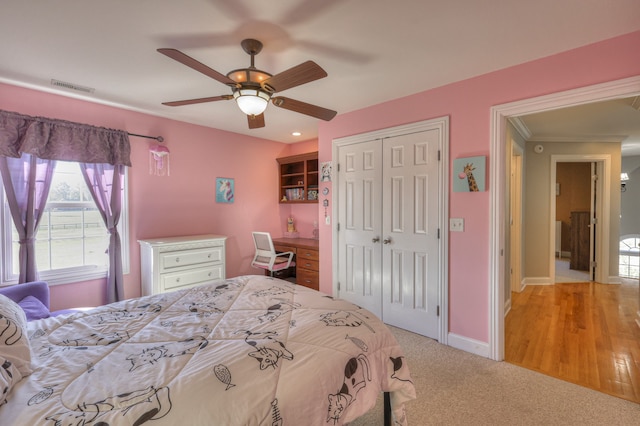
[
  {"x": 410, "y": 250},
  {"x": 360, "y": 219},
  {"x": 388, "y": 212}
]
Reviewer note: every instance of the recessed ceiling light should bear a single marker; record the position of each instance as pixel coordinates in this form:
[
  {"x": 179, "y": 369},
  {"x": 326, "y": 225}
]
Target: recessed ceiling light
[{"x": 296, "y": 133}]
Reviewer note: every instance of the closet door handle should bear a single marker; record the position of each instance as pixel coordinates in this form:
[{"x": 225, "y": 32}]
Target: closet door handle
[
  {"x": 386, "y": 240},
  {"x": 375, "y": 240}
]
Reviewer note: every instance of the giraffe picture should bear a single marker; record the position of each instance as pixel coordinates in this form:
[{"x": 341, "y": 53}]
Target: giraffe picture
[{"x": 469, "y": 174}]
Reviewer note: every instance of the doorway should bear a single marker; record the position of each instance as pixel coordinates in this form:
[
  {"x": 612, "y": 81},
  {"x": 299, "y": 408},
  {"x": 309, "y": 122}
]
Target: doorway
[
  {"x": 499, "y": 114},
  {"x": 575, "y": 221}
]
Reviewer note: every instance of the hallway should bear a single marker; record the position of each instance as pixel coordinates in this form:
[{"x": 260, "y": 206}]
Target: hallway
[{"x": 584, "y": 333}]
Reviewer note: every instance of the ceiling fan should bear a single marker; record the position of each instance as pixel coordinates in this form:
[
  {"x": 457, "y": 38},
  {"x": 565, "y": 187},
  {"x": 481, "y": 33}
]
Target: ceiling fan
[{"x": 253, "y": 89}]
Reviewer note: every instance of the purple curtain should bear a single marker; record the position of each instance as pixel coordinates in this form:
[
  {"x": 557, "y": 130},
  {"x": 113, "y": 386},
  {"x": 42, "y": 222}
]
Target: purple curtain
[
  {"x": 62, "y": 140},
  {"x": 105, "y": 184},
  {"x": 27, "y": 180},
  {"x": 104, "y": 150}
]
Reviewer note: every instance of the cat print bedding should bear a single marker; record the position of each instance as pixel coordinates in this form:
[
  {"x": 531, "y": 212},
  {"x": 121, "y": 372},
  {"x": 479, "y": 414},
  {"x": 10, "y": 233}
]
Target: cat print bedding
[{"x": 250, "y": 350}]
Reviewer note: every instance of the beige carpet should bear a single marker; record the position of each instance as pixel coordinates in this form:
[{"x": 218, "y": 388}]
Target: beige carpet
[{"x": 458, "y": 388}]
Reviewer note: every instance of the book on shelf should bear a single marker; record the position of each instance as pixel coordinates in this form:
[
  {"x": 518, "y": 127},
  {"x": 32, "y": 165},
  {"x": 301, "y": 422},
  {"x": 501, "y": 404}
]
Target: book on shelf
[{"x": 294, "y": 194}]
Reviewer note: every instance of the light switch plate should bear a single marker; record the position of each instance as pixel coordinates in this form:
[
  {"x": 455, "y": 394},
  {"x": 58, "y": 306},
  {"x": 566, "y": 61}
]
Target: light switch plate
[{"x": 456, "y": 224}]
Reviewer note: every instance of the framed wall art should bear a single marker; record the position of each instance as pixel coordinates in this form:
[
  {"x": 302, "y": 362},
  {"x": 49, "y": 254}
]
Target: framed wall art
[
  {"x": 225, "y": 190},
  {"x": 469, "y": 174}
]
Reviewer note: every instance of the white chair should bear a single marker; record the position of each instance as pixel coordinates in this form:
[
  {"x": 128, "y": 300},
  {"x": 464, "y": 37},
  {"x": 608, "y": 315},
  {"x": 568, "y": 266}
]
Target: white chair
[{"x": 266, "y": 256}]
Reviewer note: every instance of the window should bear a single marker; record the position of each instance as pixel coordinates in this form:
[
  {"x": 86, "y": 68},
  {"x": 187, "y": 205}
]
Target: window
[
  {"x": 629, "y": 257},
  {"x": 72, "y": 239}
]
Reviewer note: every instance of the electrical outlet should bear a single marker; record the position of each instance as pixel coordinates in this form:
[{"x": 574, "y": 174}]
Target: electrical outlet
[{"x": 456, "y": 224}]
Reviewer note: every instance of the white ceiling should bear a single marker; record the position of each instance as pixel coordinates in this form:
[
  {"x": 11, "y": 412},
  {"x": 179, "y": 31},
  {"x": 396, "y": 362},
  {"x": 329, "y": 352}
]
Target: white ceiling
[
  {"x": 373, "y": 50},
  {"x": 616, "y": 121}
]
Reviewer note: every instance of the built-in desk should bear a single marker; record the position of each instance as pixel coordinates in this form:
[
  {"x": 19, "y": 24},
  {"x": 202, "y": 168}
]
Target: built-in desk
[{"x": 307, "y": 257}]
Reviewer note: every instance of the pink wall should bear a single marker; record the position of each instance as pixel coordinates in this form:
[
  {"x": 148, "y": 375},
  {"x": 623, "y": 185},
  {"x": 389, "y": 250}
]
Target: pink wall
[
  {"x": 468, "y": 104},
  {"x": 304, "y": 215},
  {"x": 184, "y": 202}
]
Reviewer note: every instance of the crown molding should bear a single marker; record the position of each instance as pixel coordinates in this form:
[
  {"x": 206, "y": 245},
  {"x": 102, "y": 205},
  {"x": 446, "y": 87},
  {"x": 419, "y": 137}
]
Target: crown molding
[
  {"x": 520, "y": 127},
  {"x": 578, "y": 138}
]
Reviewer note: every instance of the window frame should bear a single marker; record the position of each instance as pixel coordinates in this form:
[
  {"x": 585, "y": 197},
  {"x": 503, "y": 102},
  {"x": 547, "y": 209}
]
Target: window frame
[
  {"x": 628, "y": 254},
  {"x": 62, "y": 275}
]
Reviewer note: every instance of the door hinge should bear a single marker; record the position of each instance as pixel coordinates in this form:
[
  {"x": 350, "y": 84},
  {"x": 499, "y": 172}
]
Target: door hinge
[
  {"x": 338, "y": 285},
  {"x": 594, "y": 220},
  {"x": 338, "y": 166},
  {"x": 438, "y": 310},
  {"x": 338, "y": 226},
  {"x": 438, "y": 233},
  {"x": 438, "y": 155},
  {"x": 594, "y": 264}
]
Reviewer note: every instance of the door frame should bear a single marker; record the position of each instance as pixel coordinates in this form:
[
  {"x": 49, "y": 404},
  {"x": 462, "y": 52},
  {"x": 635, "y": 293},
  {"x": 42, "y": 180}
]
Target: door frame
[
  {"x": 441, "y": 124},
  {"x": 515, "y": 212},
  {"x": 603, "y": 190},
  {"x": 499, "y": 114}
]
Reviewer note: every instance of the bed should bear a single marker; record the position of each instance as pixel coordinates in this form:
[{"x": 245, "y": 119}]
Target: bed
[{"x": 250, "y": 350}]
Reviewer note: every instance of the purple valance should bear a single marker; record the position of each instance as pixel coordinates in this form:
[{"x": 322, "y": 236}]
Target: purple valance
[{"x": 52, "y": 139}]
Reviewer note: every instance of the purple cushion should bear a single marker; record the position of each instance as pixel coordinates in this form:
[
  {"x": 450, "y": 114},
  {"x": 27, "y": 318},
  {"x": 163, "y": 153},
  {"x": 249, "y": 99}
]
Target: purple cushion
[{"x": 34, "y": 308}]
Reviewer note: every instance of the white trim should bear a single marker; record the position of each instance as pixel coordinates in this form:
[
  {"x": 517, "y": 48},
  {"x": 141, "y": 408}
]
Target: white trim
[
  {"x": 613, "y": 279},
  {"x": 499, "y": 114},
  {"x": 469, "y": 345},
  {"x": 538, "y": 281},
  {"x": 441, "y": 124},
  {"x": 520, "y": 127},
  {"x": 603, "y": 190},
  {"x": 578, "y": 139}
]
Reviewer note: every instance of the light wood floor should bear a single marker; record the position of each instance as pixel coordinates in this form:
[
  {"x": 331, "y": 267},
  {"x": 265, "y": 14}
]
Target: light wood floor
[{"x": 584, "y": 333}]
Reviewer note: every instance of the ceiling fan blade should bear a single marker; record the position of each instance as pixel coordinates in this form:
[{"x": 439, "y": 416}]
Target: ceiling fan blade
[
  {"x": 176, "y": 55},
  {"x": 255, "y": 121},
  {"x": 304, "y": 108},
  {"x": 199, "y": 100},
  {"x": 300, "y": 74}
]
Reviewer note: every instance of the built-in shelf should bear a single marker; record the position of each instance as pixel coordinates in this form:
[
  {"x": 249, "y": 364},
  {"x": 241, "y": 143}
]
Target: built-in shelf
[{"x": 299, "y": 178}]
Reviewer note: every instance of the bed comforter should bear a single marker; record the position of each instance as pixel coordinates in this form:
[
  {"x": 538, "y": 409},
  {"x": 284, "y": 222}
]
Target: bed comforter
[{"x": 250, "y": 350}]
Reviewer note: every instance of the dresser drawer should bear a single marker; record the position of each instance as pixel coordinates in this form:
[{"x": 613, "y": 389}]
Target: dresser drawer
[
  {"x": 190, "y": 278},
  {"x": 307, "y": 264},
  {"x": 307, "y": 254},
  {"x": 308, "y": 278},
  {"x": 173, "y": 263},
  {"x": 176, "y": 259}
]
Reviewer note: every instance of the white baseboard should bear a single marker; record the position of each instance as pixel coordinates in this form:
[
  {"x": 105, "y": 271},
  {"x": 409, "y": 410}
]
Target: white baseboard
[
  {"x": 468, "y": 345},
  {"x": 537, "y": 281}
]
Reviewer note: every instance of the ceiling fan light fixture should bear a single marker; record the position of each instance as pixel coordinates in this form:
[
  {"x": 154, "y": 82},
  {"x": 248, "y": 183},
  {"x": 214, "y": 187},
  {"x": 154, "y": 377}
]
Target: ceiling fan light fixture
[
  {"x": 251, "y": 101},
  {"x": 251, "y": 75}
]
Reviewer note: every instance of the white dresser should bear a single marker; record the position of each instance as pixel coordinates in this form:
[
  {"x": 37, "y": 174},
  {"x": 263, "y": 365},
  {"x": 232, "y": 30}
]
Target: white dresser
[{"x": 174, "y": 263}]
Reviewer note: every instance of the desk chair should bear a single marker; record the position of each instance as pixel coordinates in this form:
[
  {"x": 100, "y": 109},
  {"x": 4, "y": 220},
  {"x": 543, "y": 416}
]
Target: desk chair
[{"x": 266, "y": 256}]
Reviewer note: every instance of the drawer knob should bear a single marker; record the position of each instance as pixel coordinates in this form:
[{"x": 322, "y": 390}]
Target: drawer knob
[
  {"x": 178, "y": 279},
  {"x": 209, "y": 256},
  {"x": 177, "y": 259},
  {"x": 210, "y": 273}
]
